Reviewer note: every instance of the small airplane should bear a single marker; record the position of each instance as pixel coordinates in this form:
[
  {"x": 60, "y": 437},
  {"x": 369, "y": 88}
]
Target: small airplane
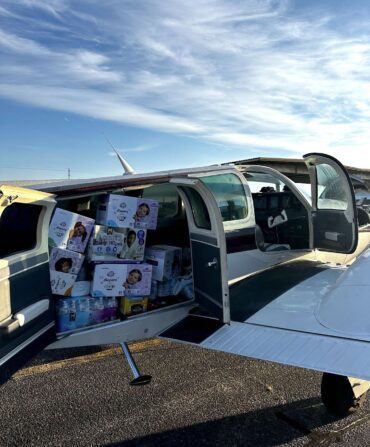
[{"x": 278, "y": 275}]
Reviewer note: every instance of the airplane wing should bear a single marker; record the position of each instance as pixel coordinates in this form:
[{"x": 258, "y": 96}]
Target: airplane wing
[
  {"x": 303, "y": 314},
  {"x": 312, "y": 351}
]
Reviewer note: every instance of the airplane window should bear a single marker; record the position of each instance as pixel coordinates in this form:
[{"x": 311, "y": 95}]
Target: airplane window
[
  {"x": 263, "y": 182},
  {"x": 230, "y": 196},
  {"x": 168, "y": 199},
  {"x": 18, "y": 228},
  {"x": 198, "y": 208},
  {"x": 331, "y": 188}
]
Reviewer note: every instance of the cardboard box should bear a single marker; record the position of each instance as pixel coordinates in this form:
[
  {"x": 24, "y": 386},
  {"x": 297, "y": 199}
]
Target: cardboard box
[
  {"x": 113, "y": 244},
  {"x": 116, "y": 211},
  {"x": 121, "y": 279},
  {"x": 106, "y": 243},
  {"x": 65, "y": 261},
  {"x": 70, "y": 230},
  {"x": 165, "y": 260},
  {"x": 62, "y": 283},
  {"x": 109, "y": 279},
  {"x": 127, "y": 212},
  {"x": 134, "y": 305}
]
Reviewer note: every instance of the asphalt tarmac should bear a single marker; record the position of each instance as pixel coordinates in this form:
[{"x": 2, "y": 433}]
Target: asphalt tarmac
[{"x": 82, "y": 397}]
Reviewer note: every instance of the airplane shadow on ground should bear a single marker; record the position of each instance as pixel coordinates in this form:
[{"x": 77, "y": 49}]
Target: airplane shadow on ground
[{"x": 263, "y": 428}]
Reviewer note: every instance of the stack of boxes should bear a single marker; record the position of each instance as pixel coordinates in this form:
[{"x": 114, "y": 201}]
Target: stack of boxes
[
  {"x": 117, "y": 249},
  {"x": 117, "y": 265},
  {"x": 69, "y": 235}
]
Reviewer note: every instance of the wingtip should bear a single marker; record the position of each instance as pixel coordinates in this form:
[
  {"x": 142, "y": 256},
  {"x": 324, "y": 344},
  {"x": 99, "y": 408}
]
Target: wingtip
[{"x": 128, "y": 169}]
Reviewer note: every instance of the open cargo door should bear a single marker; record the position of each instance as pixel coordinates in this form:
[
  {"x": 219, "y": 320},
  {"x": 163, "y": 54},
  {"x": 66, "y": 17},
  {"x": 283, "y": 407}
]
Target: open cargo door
[
  {"x": 208, "y": 248},
  {"x": 26, "y": 310},
  {"x": 209, "y": 263},
  {"x": 334, "y": 215}
]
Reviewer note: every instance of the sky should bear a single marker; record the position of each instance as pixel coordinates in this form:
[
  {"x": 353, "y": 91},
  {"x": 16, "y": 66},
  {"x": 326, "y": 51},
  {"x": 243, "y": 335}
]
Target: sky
[{"x": 180, "y": 84}]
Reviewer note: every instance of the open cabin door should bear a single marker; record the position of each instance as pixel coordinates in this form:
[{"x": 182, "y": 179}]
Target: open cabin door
[
  {"x": 208, "y": 248},
  {"x": 26, "y": 308},
  {"x": 334, "y": 215}
]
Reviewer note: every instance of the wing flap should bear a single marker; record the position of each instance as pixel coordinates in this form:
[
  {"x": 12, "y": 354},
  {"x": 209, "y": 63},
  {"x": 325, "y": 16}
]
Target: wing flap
[{"x": 312, "y": 351}]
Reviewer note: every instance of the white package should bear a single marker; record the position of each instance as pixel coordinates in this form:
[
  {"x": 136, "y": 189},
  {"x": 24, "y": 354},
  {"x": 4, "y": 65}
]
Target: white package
[
  {"x": 120, "y": 279},
  {"x": 165, "y": 260},
  {"x": 119, "y": 211},
  {"x": 109, "y": 280},
  {"x": 106, "y": 243},
  {"x": 70, "y": 230}
]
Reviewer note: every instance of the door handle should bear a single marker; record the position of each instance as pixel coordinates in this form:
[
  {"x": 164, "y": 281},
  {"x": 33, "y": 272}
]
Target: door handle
[
  {"x": 24, "y": 316},
  {"x": 212, "y": 264},
  {"x": 31, "y": 312}
]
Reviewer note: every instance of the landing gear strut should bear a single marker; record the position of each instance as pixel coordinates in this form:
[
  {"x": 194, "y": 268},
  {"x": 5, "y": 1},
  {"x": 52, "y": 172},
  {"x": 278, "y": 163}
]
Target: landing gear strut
[
  {"x": 342, "y": 395},
  {"x": 139, "y": 379}
]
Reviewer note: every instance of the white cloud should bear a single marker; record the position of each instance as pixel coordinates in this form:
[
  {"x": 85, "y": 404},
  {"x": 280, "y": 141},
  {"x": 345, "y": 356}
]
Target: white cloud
[
  {"x": 141, "y": 148},
  {"x": 19, "y": 45},
  {"x": 53, "y": 7},
  {"x": 253, "y": 74},
  {"x": 5, "y": 13}
]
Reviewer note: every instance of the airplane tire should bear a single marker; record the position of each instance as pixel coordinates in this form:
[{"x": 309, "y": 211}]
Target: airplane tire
[{"x": 337, "y": 395}]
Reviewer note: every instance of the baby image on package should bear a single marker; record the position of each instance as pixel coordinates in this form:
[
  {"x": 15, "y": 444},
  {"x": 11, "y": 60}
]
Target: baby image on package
[
  {"x": 70, "y": 230},
  {"x": 138, "y": 280},
  {"x": 146, "y": 214},
  {"x": 134, "y": 246},
  {"x": 65, "y": 261}
]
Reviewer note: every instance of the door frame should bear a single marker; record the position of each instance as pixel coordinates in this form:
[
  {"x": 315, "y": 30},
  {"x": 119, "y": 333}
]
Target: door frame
[
  {"x": 215, "y": 236},
  {"x": 12, "y": 268},
  {"x": 311, "y": 160},
  {"x": 301, "y": 197}
]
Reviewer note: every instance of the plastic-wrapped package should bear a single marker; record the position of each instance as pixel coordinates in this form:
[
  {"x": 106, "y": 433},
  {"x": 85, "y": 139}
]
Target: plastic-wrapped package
[{"x": 181, "y": 285}]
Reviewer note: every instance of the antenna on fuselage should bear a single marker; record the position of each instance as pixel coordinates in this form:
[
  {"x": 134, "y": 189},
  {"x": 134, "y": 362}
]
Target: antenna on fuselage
[{"x": 126, "y": 166}]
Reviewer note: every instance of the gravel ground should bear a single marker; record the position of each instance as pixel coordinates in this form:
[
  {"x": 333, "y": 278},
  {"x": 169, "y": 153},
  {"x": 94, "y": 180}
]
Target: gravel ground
[{"x": 196, "y": 397}]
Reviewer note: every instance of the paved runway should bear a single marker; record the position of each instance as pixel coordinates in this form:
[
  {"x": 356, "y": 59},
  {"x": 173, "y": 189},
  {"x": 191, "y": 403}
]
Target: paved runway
[{"x": 197, "y": 397}]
